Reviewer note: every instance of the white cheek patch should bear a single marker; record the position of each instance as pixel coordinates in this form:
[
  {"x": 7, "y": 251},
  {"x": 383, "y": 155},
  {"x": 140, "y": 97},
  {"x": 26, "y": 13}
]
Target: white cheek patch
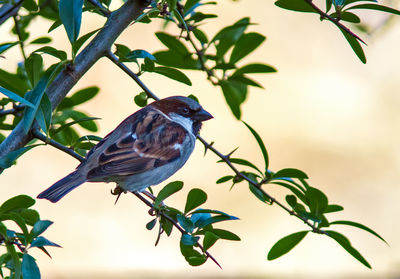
[
  {"x": 134, "y": 136},
  {"x": 186, "y": 122}
]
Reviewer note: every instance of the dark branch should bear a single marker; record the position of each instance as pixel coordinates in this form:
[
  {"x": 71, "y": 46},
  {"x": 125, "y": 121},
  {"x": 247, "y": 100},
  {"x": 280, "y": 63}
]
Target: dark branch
[
  {"x": 37, "y": 134},
  {"x": 9, "y": 10},
  {"x": 105, "y": 12},
  {"x": 66, "y": 79},
  {"x": 130, "y": 73},
  {"x": 334, "y": 21}
]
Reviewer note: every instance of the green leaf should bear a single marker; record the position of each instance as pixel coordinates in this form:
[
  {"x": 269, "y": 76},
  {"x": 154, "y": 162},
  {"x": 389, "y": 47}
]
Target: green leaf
[
  {"x": 173, "y": 43},
  {"x": 260, "y": 144},
  {"x": 84, "y": 95},
  {"x": 291, "y": 200},
  {"x": 171, "y": 4},
  {"x": 19, "y": 221},
  {"x": 333, "y": 208},
  {"x": 258, "y": 193},
  {"x": 355, "y": 45},
  {"x": 185, "y": 222},
  {"x": 195, "y": 198},
  {"x": 345, "y": 243},
  {"x": 285, "y": 244},
  {"x": 209, "y": 240},
  {"x": 243, "y": 162},
  {"x": 79, "y": 43},
  {"x": 80, "y": 122},
  {"x": 71, "y": 16},
  {"x": 295, "y": 5},
  {"x": 317, "y": 201},
  {"x": 34, "y": 96},
  {"x": 173, "y": 74},
  {"x": 375, "y": 7},
  {"x": 222, "y": 234},
  {"x": 175, "y": 59},
  {"x": 168, "y": 190},
  {"x": 39, "y": 227},
  {"x": 41, "y": 241},
  {"x": 15, "y": 97},
  {"x": 14, "y": 82},
  {"x": 55, "y": 24},
  {"x": 246, "y": 44},
  {"x": 189, "y": 240},
  {"x": 347, "y": 16},
  {"x": 290, "y": 172},
  {"x": 254, "y": 69},
  {"x": 33, "y": 67},
  {"x": 30, "y": 270},
  {"x": 229, "y": 35},
  {"x": 243, "y": 80},
  {"x": 139, "y": 53},
  {"x": 214, "y": 219},
  {"x": 30, "y": 216},
  {"x": 5, "y": 46},
  {"x": 15, "y": 261},
  {"x": 357, "y": 225},
  {"x": 150, "y": 225},
  {"x": 8, "y": 160},
  {"x": 233, "y": 97},
  {"x": 41, "y": 40},
  {"x": 224, "y": 179},
  {"x": 167, "y": 226},
  {"x": 84, "y": 120},
  {"x": 200, "y": 35},
  {"x": 43, "y": 115},
  {"x": 53, "y": 52},
  {"x": 16, "y": 203},
  {"x": 79, "y": 97}
]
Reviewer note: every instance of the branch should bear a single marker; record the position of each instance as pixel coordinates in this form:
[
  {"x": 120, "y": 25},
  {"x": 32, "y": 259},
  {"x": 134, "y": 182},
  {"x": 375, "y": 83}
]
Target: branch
[
  {"x": 9, "y": 10},
  {"x": 334, "y": 21},
  {"x": 149, "y": 93},
  {"x": 37, "y": 134},
  {"x": 66, "y": 79},
  {"x": 130, "y": 73},
  {"x": 176, "y": 225}
]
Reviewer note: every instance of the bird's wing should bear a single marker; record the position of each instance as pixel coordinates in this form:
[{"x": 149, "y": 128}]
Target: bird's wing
[{"x": 148, "y": 140}]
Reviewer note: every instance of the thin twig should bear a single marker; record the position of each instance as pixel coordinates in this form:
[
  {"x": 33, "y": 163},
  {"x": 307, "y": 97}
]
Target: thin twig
[
  {"x": 130, "y": 73},
  {"x": 37, "y": 134},
  {"x": 104, "y": 11},
  {"x": 258, "y": 185},
  {"x": 15, "y": 110},
  {"x": 176, "y": 225},
  {"x": 9, "y": 10},
  {"x": 334, "y": 21},
  {"x": 149, "y": 93},
  {"x": 21, "y": 42}
]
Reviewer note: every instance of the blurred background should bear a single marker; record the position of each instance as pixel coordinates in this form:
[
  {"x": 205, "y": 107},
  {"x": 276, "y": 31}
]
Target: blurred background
[{"x": 324, "y": 112}]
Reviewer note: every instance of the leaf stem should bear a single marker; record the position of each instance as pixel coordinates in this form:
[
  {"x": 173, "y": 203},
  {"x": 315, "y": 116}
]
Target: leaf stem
[{"x": 334, "y": 21}]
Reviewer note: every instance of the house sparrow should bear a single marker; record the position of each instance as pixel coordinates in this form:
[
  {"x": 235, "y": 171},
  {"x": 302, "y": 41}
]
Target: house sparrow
[{"x": 145, "y": 149}]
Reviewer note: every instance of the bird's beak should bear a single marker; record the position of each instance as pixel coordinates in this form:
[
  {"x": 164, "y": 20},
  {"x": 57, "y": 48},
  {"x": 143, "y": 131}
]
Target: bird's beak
[{"x": 202, "y": 115}]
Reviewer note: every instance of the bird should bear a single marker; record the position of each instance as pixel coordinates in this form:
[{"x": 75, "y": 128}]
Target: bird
[{"x": 145, "y": 149}]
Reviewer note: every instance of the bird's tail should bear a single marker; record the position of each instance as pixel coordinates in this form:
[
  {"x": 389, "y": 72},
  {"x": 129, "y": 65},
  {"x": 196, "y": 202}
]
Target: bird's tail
[{"x": 62, "y": 187}]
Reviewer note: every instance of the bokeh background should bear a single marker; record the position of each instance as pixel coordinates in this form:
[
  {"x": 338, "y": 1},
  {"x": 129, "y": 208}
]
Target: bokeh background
[{"x": 324, "y": 112}]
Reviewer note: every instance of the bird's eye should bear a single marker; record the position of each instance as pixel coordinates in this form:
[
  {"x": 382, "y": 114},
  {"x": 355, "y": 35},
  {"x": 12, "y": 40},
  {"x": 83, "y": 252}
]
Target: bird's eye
[{"x": 185, "y": 110}]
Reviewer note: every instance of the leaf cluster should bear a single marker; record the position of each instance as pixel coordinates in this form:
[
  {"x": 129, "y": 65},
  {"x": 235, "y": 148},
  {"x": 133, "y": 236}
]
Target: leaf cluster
[
  {"x": 195, "y": 224},
  {"x": 304, "y": 201},
  {"x": 16, "y": 262},
  {"x": 337, "y": 11}
]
